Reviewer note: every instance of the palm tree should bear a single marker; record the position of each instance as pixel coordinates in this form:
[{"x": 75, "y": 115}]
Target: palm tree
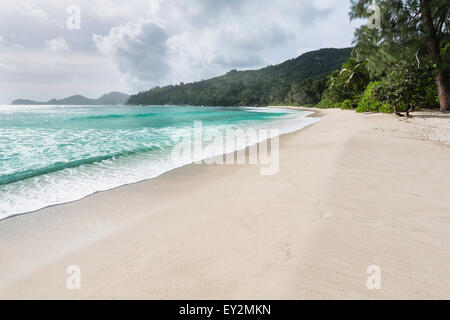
[{"x": 354, "y": 74}]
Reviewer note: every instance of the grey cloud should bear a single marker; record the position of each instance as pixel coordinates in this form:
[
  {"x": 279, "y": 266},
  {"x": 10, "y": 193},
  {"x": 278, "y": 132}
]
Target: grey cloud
[
  {"x": 308, "y": 13},
  {"x": 50, "y": 68},
  {"x": 31, "y": 28},
  {"x": 245, "y": 49},
  {"x": 240, "y": 62},
  {"x": 158, "y": 42},
  {"x": 138, "y": 49},
  {"x": 257, "y": 38}
]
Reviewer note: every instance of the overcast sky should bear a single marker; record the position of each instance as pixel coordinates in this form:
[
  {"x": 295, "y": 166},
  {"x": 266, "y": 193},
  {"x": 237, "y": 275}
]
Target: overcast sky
[{"x": 133, "y": 45}]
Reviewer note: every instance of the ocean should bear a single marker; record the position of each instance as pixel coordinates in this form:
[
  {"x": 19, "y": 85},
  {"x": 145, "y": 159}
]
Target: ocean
[{"x": 56, "y": 154}]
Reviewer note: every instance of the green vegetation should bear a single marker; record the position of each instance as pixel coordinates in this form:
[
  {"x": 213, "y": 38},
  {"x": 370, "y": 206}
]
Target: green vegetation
[
  {"x": 327, "y": 103},
  {"x": 412, "y": 32},
  {"x": 406, "y": 87},
  {"x": 398, "y": 67},
  {"x": 344, "y": 87},
  {"x": 297, "y": 81},
  {"x": 368, "y": 103}
]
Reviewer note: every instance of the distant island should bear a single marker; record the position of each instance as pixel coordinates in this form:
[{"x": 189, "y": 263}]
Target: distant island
[
  {"x": 111, "y": 98},
  {"x": 298, "y": 81}
]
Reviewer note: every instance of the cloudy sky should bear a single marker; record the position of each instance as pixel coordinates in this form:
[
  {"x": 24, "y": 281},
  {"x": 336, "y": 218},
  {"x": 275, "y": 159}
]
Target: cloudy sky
[{"x": 133, "y": 45}]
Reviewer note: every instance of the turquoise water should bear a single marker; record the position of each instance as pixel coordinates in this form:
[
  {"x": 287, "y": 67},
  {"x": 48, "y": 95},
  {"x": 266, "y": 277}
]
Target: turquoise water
[{"x": 56, "y": 154}]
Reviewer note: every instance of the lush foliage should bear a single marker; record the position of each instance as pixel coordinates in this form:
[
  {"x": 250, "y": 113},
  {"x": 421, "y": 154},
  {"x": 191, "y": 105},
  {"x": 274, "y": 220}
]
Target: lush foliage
[
  {"x": 406, "y": 87},
  {"x": 347, "y": 83},
  {"x": 398, "y": 66},
  {"x": 327, "y": 103},
  {"x": 345, "y": 86},
  {"x": 402, "y": 64},
  {"x": 368, "y": 103},
  {"x": 295, "y": 82},
  {"x": 409, "y": 30},
  {"x": 445, "y": 53},
  {"x": 347, "y": 104}
]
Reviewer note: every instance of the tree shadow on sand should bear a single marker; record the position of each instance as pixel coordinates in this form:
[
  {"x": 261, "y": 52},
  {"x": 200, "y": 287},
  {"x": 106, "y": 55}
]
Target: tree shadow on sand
[{"x": 432, "y": 116}]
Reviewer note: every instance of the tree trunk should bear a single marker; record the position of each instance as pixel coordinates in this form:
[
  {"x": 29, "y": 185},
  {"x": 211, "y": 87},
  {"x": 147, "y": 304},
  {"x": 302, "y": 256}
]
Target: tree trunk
[
  {"x": 410, "y": 109},
  {"x": 434, "y": 51},
  {"x": 443, "y": 90},
  {"x": 396, "y": 111}
]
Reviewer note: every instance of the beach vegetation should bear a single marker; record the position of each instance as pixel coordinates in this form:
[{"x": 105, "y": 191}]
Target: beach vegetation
[
  {"x": 348, "y": 104},
  {"x": 399, "y": 66},
  {"x": 409, "y": 30},
  {"x": 368, "y": 103},
  {"x": 326, "y": 103},
  {"x": 406, "y": 87},
  {"x": 345, "y": 86}
]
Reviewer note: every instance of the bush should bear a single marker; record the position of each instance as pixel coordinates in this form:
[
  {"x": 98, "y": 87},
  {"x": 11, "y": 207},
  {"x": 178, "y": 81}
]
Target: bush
[
  {"x": 406, "y": 87},
  {"x": 328, "y": 103},
  {"x": 348, "y": 104},
  {"x": 368, "y": 103},
  {"x": 386, "y": 108}
]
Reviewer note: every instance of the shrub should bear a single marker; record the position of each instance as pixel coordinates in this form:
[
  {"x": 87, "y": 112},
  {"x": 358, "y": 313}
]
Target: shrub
[
  {"x": 406, "y": 87},
  {"x": 328, "y": 103},
  {"x": 386, "y": 108},
  {"x": 347, "y": 104},
  {"x": 368, "y": 103}
]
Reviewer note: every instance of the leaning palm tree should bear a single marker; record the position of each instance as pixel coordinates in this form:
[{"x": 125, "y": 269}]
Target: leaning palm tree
[{"x": 354, "y": 74}]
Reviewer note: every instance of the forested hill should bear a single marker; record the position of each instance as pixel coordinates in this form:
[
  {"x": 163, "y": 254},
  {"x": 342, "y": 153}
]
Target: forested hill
[{"x": 297, "y": 81}]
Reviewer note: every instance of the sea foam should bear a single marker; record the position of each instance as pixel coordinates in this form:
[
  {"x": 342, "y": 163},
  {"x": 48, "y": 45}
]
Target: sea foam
[{"x": 52, "y": 155}]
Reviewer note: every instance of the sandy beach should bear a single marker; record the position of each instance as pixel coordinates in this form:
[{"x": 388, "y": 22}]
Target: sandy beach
[{"x": 353, "y": 190}]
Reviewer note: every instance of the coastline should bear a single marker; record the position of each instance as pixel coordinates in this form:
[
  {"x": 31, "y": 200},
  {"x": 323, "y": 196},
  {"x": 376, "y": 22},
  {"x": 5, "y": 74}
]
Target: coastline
[
  {"x": 348, "y": 195},
  {"x": 287, "y": 125}
]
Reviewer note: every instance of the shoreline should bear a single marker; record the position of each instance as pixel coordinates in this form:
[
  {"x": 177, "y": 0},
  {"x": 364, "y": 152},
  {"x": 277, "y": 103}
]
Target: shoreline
[
  {"x": 225, "y": 232},
  {"x": 314, "y": 114}
]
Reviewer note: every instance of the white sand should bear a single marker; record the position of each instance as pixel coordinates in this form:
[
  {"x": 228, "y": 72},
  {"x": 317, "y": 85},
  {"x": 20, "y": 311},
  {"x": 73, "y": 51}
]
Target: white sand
[
  {"x": 353, "y": 190},
  {"x": 431, "y": 125}
]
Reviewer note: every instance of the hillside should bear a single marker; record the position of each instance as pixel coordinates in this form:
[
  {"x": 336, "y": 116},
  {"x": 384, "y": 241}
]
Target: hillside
[
  {"x": 112, "y": 98},
  {"x": 296, "y": 81}
]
